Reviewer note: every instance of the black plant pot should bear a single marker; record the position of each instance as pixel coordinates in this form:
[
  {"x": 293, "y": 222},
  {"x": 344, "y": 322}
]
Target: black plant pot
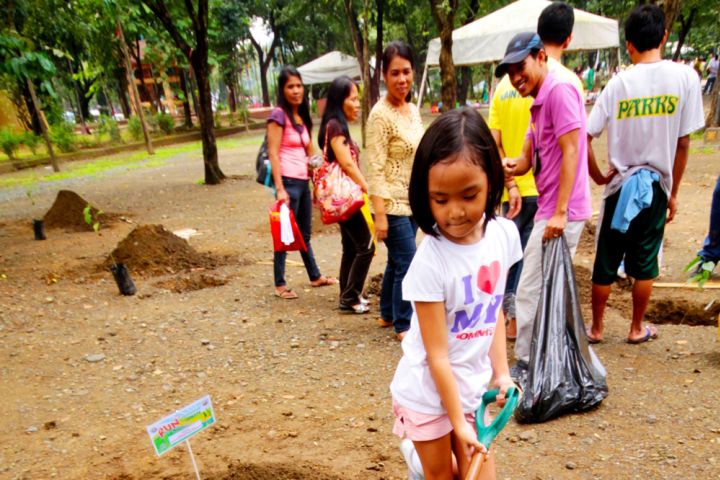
[
  {"x": 39, "y": 229},
  {"x": 122, "y": 278}
]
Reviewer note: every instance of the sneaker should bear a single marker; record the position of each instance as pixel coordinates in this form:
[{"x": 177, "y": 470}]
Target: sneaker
[
  {"x": 519, "y": 372},
  {"x": 415, "y": 470}
]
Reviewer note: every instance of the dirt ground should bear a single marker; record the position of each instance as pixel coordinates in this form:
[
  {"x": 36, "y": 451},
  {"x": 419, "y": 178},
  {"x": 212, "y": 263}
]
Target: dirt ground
[{"x": 300, "y": 391}]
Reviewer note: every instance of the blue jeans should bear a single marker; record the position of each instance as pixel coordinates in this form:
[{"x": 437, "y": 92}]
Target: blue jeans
[
  {"x": 711, "y": 247},
  {"x": 301, "y": 206},
  {"x": 400, "y": 243},
  {"x": 524, "y": 223}
]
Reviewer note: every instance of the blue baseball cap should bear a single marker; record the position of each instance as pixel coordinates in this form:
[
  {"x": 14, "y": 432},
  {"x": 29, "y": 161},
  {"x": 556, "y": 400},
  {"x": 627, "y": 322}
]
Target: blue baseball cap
[{"x": 518, "y": 49}]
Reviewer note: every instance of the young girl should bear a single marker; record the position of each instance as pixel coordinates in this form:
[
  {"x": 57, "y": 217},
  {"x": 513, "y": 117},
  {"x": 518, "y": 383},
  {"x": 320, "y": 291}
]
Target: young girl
[{"x": 456, "y": 341}]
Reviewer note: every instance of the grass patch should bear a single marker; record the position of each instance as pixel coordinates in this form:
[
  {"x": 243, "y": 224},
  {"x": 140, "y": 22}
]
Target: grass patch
[
  {"x": 97, "y": 167},
  {"x": 705, "y": 150},
  {"x": 697, "y": 135}
]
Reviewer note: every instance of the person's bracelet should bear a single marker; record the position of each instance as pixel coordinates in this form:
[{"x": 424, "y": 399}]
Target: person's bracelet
[{"x": 511, "y": 186}]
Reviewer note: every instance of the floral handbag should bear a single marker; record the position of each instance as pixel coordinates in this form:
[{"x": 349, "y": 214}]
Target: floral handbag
[{"x": 336, "y": 194}]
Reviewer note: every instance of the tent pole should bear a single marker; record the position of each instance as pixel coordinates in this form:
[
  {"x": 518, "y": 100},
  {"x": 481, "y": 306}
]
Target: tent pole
[
  {"x": 493, "y": 81},
  {"x": 422, "y": 86}
]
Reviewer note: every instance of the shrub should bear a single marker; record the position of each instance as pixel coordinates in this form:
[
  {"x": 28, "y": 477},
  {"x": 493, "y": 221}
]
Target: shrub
[
  {"x": 63, "y": 135},
  {"x": 135, "y": 128},
  {"x": 109, "y": 126},
  {"x": 165, "y": 122},
  {"x": 10, "y": 142},
  {"x": 31, "y": 141}
]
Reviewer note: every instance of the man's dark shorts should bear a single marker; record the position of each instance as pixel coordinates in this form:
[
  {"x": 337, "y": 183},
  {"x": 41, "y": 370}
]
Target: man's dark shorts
[{"x": 640, "y": 245}]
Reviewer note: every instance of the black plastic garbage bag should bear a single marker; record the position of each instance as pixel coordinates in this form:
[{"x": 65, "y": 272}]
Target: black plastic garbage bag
[{"x": 564, "y": 375}]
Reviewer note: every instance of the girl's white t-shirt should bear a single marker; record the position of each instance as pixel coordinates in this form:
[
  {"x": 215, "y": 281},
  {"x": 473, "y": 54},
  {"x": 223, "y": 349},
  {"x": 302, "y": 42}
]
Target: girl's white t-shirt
[{"x": 470, "y": 280}]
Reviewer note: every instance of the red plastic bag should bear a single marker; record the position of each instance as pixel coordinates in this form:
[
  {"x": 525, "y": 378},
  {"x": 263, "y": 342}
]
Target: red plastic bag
[{"x": 279, "y": 245}]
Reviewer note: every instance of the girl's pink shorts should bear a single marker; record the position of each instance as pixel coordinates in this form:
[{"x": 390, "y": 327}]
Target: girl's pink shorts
[{"x": 422, "y": 427}]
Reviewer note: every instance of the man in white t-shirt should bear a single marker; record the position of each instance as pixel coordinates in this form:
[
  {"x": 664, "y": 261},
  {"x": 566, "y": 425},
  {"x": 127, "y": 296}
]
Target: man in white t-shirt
[{"x": 650, "y": 111}]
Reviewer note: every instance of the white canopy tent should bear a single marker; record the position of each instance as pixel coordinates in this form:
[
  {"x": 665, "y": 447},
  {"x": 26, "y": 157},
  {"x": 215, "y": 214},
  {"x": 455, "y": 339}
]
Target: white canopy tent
[
  {"x": 486, "y": 39},
  {"x": 327, "y": 68}
]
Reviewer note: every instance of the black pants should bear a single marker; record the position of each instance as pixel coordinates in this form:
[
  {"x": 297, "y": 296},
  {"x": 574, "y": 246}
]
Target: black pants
[{"x": 357, "y": 254}]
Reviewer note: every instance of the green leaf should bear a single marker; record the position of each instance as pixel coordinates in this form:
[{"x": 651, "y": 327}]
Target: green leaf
[
  {"x": 87, "y": 213},
  {"x": 708, "y": 266}
]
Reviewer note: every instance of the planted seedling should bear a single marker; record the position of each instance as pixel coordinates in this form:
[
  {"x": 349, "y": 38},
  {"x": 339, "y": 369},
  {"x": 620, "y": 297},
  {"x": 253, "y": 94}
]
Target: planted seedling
[
  {"x": 119, "y": 271},
  {"x": 702, "y": 271}
]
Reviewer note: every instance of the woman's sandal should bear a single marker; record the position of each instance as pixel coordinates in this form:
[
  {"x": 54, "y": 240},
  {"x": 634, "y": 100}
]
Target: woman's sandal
[
  {"x": 324, "y": 281},
  {"x": 286, "y": 294}
]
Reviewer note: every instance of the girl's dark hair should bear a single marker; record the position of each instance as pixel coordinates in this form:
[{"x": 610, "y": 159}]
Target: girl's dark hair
[
  {"x": 645, "y": 27},
  {"x": 303, "y": 109},
  {"x": 397, "y": 48},
  {"x": 338, "y": 92},
  {"x": 460, "y": 132}
]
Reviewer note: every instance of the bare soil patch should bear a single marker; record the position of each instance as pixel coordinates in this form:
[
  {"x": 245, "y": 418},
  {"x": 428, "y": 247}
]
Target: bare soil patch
[{"x": 190, "y": 283}]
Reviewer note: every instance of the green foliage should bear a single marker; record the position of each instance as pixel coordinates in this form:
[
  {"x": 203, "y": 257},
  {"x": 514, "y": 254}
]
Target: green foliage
[
  {"x": 109, "y": 126},
  {"x": 63, "y": 136},
  {"x": 31, "y": 141},
  {"x": 135, "y": 128},
  {"x": 165, "y": 122},
  {"x": 701, "y": 271},
  {"x": 9, "y": 142},
  {"x": 92, "y": 218}
]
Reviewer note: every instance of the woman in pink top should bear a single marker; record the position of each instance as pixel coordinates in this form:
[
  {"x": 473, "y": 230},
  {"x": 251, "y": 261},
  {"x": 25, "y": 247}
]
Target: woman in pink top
[{"x": 289, "y": 146}]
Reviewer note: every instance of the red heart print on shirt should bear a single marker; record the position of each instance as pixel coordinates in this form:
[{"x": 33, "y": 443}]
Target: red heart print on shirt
[{"x": 488, "y": 276}]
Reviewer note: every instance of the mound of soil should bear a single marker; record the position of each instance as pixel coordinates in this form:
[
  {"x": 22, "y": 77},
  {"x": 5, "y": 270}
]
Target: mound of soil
[
  {"x": 192, "y": 282},
  {"x": 67, "y": 213},
  {"x": 151, "y": 250},
  {"x": 681, "y": 312},
  {"x": 246, "y": 471}
]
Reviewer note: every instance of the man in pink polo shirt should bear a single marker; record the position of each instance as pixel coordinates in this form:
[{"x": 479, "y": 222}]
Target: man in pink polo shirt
[{"x": 556, "y": 149}]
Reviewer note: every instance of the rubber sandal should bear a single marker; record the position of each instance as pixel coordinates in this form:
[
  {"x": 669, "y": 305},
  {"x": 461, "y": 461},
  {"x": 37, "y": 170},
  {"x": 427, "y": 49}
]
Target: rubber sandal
[
  {"x": 286, "y": 294},
  {"x": 592, "y": 340},
  {"x": 651, "y": 333},
  {"x": 324, "y": 282}
]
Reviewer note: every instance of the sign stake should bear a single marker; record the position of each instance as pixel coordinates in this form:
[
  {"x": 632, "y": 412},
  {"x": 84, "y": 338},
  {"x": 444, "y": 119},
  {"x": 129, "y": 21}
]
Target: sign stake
[{"x": 192, "y": 457}]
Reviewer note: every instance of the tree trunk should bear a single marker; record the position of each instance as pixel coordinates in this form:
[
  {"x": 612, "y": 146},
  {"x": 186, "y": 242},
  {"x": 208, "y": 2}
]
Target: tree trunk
[
  {"x": 713, "y": 116},
  {"x": 186, "y": 100},
  {"x": 685, "y": 26},
  {"x": 444, "y": 16},
  {"x": 264, "y": 61},
  {"x": 43, "y": 126},
  {"x": 122, "y": 90},
  {"x": 213, "y": 174},
  {"x": 131, "y": 81},
  {"x": 464, "y": 85},
  {"x": 375, "y": 79},
  {"x": 671, "y": 8},
  {"x": 361, "y": 54},
  {"x": 81, "y": 113},
  {"x": 232, "y": 97}
]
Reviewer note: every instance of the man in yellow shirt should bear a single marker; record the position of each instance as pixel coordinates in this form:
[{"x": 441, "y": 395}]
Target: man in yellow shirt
[{"x": 509, "y": 120}]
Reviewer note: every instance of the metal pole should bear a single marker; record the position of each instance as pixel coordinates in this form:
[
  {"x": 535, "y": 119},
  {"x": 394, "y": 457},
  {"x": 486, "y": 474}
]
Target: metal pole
[{"x": 422, "y": 86}]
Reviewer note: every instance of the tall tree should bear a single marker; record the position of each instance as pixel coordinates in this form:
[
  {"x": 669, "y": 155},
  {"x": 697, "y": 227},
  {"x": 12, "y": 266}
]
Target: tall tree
[
  {"x": 25, "y": 64},
  {"x": 443, "y": 12},
  {"x": 196, "y": 49}
]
